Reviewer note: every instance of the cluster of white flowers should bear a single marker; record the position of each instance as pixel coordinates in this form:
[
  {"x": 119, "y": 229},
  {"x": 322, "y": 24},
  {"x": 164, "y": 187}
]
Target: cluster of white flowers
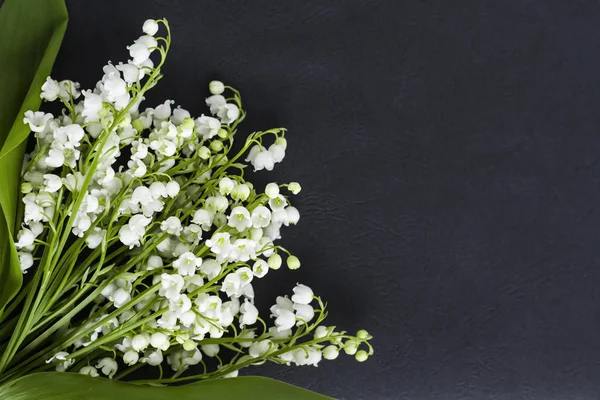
[{"x": 172, "y": 236}]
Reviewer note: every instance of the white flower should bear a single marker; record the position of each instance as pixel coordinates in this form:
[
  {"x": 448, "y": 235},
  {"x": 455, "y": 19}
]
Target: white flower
[
  {"x": 89, "y": 370},
  {"x": 128, "y": 236},
  {"x": 168, "y": 321},
  {"x": 321, "y": 332},
  {"x": 119, "y": 297},
  {"x": 150, "y": 27},
  {"x": 210, "y": 350},
  {"x": 37, "y": 120},
  {"x": 154, "y": 262},
  {"x": 228, "y": 113},
  {"x": 307, "y": 356},
  {"x": 203, "y": 218},
  {"x": 215, "y": 102},
  {"x": 153, "y": 358},
  {"x": 240, "y": 192},
  {"x": 249, "y": 314},
  {"x": 172, "y": 226},
  {"x": 261, "y": 217},
  {"x": 304, "y": 312},
  {"x": 114, "y": 86},
  {"x": 160, "y": 341},
  {"x": 276, "y": 334},
  {"x": 302, "y": 294},
  {"x": 94, "y": 239},
  {"x": 130, "y": 357},
  {"x": 91, "y": 106},
  {"x": 55, "y": 158},
  {"x": 163, "y": 111},
  {"x": 278, "y": 203},
  {"x": 108, "y": 366},
  {"x": 220, "y": 243},
  {"x": 243, "y": 250},
  {"x": 139, "y": 52},
  {"x": 232, "y": 285},
  {"x": 25, "y": 238},
  {"x": 171, "y": 285},
  {"x": 187, "y": 263},
  {"x": 172, "y": 188},
  {"x": 272, "y": 190},
  {"x": 158, "y": 189},
  {"x": 293, "y": 216},
  {"x": 180, "y": 304},
  {"x": 140, "y": 341},
  {"x": 285, "y": 320},
  {"x": 239, "y": 219},
  {"x": 207, "y": 127},
  {"x": 258, "y": 349},
  {"x": 226, "y": 185},
  {"x": 216, "y": 87},
  {"x": 211, "y": 268},
  {"x": 141, "y": 195},
  {"x": 131, "y": 72},
  {"x": 50, "y": 90},
  {"x": 25, "y": 260},
  {"x": 277, "y": 151},
  {"x": 68, "y": 89},
  {"x": 263, "y": 160},
  {"x": 260, "y": 268},
  {"x": 294, "y": 187}
]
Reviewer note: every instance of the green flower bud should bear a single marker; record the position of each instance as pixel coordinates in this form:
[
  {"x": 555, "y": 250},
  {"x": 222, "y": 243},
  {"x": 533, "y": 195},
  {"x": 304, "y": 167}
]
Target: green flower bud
[
  {"x": 216, "y": 87},
  {"x": 293, "y": 262},
  {"x": 189, "y": 345},
  {"x": 274, "y": 261},
  {"x": 361, "y": 356},
  {"x": 362, "y": 334},
  {"x": 204, "y": 153},
  {"x": 216, "y": 145},
  {"x": 138, "y": 125},
  {"x": 188, "y": 123},
  {"x": 330, "y": 352},
  {"x": 294, "y": 187},
  {"x": 350, "y": 347},
  {"x": 223, "y": 133},
  {"x": 26, "y": 187}
]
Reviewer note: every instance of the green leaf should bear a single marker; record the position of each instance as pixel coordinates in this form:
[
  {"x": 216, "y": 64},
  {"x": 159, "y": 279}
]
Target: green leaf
[
  {"x": 31, "y": 32},
  {"x": 69, "y": 386}
]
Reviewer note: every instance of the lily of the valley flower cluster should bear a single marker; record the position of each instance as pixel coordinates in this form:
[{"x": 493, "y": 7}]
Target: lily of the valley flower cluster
[{"x": 145, "y": 214}]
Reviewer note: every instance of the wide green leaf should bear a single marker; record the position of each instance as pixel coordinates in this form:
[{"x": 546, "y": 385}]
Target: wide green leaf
[
  {"x": 69, "y": 386},
  {"x": 31, "y": 32}
]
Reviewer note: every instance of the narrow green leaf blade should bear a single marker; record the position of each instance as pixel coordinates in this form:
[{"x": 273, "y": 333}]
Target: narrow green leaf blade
[
  {"x": 69, "y": 386},
  {"x": 31, "y": 32}
]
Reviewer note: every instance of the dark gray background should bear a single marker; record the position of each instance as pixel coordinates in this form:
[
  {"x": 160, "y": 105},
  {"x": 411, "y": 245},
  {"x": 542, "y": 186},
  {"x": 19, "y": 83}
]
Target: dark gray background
[{"x": 448, "y": 153}]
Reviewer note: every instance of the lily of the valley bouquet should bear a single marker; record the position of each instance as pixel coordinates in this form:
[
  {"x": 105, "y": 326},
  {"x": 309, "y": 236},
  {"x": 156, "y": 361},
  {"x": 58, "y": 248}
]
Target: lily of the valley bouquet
[{"x": 140, "y": 239}]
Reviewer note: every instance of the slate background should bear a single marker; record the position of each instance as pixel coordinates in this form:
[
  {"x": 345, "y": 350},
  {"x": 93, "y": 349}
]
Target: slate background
[{"x": 448, "y": 153}]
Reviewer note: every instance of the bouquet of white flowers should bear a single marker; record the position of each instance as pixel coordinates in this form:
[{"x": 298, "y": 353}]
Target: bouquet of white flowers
[{"x": 141, "y": 238}]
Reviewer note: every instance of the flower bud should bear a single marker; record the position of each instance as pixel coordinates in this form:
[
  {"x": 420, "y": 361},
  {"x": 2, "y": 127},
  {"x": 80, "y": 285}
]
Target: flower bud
[
  {"x": 321, "y": 332},
  {"x": 216, "y": 87},
  {"x": 131, "y": 357},
  {"x": 26, "y": 187},
  {"x": 216, "y": 145},
  {"x": 361, "y": 356},
  {"x": 204, "y": 153},
  {"x": 330, "y": 352},
  {"x": 138, "y": 125},
  {"x": 272, "y": 190},
  {"x": 189, "y": 345},
  {"x": 150, "y": 27},
  {"x": 293, "y": 262},
  {"x": 362, "y": 334},
  {"x": 275, "y": 261},
  {"x": 223, "y": 133},
  {"x": 350, "y": 347},
  {"x": 294, "y": 187}
]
